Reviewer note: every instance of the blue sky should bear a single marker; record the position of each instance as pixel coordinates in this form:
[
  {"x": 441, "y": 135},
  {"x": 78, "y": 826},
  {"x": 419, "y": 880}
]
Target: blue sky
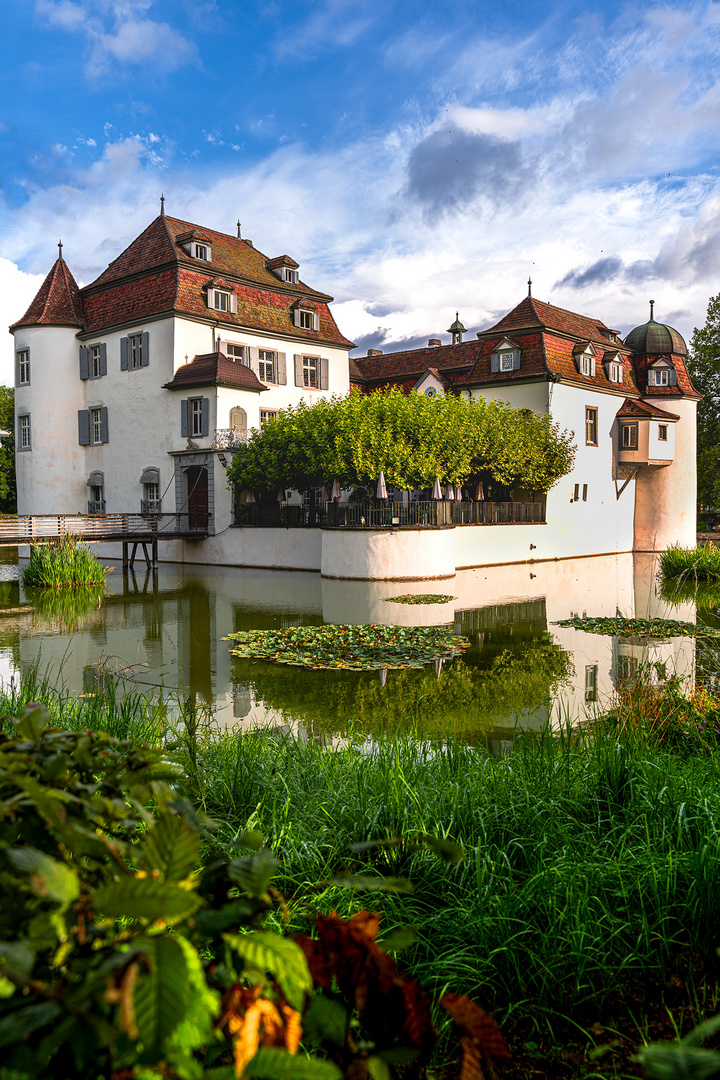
[{"x": 414, "y": 158}]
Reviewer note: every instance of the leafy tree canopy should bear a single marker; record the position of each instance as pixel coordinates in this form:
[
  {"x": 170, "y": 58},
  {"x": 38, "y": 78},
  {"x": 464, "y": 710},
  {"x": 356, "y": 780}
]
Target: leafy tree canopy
[
  {"x": 704, "y": 367},
  {"x": 8, "y": 495},
  {"x": 410, "y": 438}
]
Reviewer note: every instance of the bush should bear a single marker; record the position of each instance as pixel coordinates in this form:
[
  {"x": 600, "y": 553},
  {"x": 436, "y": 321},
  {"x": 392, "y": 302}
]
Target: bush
[
  {"x": 120, "y": 957},
  {"x": 62, "y": 562}
]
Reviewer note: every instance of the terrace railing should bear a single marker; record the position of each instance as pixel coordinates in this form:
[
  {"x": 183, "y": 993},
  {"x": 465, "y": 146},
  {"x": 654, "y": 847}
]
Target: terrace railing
[
  {"x": 412, "y": 515},
  {"x": 229, "y": 438}
]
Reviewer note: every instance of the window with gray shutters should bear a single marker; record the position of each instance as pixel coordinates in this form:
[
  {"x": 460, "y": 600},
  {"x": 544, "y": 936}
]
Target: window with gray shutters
[
  {"x": 93, "y": 426},
  {"x": 135, "y": 351},
  {"x": 195, "y": 417}
]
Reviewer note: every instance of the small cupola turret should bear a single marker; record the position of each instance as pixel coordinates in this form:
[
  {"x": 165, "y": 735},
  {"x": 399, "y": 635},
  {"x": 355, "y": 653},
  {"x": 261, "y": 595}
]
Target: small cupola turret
[
  {"x": 655, "y": 339},
  {"x": 456, "y": 330}
]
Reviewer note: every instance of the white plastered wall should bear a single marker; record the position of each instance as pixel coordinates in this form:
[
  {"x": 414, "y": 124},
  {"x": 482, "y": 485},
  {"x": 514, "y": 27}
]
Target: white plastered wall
[{"x": 666, "y": 495}]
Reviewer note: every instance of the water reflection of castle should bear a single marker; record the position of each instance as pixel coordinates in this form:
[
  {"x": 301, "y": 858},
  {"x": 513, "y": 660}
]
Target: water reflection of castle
[{"x": 521, "y": 666}]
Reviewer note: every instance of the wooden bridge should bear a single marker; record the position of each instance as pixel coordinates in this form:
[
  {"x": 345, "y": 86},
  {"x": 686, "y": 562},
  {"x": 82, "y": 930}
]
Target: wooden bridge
[{"x": 127, "y": 529}]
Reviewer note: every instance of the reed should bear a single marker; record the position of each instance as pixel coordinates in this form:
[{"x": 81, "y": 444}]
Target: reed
[
  {"x": 690, "y": 564},
  {"x": 61, "y": 563}
]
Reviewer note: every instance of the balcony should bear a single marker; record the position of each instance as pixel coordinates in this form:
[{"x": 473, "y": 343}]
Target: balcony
[
  {"x": 413, "y": 515},
  {"x": 150, "y": 507},
  {"x": 230, "y": 438},
  {"x": 96, "y": 506}
]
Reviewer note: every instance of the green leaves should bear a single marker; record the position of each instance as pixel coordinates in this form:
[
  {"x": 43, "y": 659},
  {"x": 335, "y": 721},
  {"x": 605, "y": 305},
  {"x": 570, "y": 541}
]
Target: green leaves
[
  {"x": 145, "y": 899},
  {"x": 161, "y": 994},
  {"x": 272, "y": 1064},
  {"x": 356, "y": 647},
  {"x": 282, "y": 958},
  {"x": 48, "y": 878},
  {"x": 641, "y": 628},
  {"x": 172, "y": 848}
]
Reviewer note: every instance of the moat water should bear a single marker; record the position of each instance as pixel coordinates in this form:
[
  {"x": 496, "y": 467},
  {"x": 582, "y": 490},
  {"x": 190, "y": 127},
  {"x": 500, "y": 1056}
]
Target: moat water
[{"x": 162, "y": 634}]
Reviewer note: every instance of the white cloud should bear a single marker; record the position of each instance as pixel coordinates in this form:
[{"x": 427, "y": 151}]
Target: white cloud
[
  {"x": 16, "y": 292},
  {"x": 119, "y": 34}
]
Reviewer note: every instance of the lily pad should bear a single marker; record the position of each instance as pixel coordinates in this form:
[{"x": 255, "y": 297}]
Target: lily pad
[
  {"x": 363, "y": 648},
  {"x": 641, "y": 628},
  {"x": 420, "y": 598}
]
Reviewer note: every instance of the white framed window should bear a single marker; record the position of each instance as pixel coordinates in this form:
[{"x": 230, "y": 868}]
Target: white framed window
[
  {"x": 221, "y": 300},
  {"x": 306, "y": 320},
  {"x": 237, "y": 353},
  {"x": 267, "y": 414},
  {"x": 661, "y": 377},
  {"x": 25, "y": 432},
  {"x": 591, "y": 426},
  {"x": 94, "y": 354},
  {"x": 662, "y": 432},
  {"x": 629, "y": 437},
  {"x": 267, "y": 365},
  {"x": 311, "y": 371},
  {"x": 507, "y": 361},
  {"x": 615, "y": 373},
  {"x": 202, "y": 251},
  {"x": 587, "y": 365},
  {"x": 591, "y": 683},
  {"x": 23, "y": 367},
  {"x": 134, "y": 347},
  {"x": 291, "y": 275},
  {"x": 96, "y": 431},
  {"x": 196, "y": 424}
]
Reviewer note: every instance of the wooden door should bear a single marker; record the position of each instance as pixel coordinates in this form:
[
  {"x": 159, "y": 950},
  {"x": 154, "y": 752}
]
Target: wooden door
[{"x": 197, "y": 481}]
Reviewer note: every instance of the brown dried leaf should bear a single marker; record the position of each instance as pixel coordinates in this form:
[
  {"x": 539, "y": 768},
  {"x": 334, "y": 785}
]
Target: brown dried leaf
[
  {"x": 478, "y": 1024},
  {"x": 471, "y": 1069},
  {"x": 293, "y": 1028}
]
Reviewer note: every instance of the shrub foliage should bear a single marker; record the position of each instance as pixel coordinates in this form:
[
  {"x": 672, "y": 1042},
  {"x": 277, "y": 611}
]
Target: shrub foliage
[
  {"x": 63, "y": 562},
  {"x": 410, "y": 438},
  {"x": 120, "y": 957}
]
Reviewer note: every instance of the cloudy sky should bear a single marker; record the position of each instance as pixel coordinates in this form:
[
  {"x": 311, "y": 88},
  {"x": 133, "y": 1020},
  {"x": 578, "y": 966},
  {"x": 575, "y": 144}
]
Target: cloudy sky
[{"x": 414, "y": 158}]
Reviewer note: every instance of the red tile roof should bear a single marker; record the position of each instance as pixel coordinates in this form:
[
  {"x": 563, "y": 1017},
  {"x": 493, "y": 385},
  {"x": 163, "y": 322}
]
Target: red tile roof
[
  {"x": 401, "y": 365},
  {"x": 214, "y": 369},
  {"x": 57, "y": 302},
  {"x": 155, "y": 275},
  {"x": 643, "y": 410},
  {"x": 356, "y": 375},
  {"x": 684, "y": 387},
  {"x": 533, "y": 313}
]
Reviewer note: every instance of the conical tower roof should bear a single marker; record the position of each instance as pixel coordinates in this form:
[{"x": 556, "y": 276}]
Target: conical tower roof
[
  {"x": 57, "y": 302},
  {"x": 656, "y": 339}
]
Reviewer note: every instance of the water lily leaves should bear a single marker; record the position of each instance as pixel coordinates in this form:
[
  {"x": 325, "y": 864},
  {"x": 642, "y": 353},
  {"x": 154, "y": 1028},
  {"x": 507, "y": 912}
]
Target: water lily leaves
[
  {"x": 420, "y": 598},
  {"x": 642, "y": 628},
  {"x": 357, "y": 648}
]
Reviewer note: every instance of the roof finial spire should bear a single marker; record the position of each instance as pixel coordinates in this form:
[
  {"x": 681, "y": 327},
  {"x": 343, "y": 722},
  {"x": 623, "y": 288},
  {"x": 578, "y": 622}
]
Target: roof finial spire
[
  {"x": 162, "y": 206},
  {"x": 652, "y": 305},
  {"x": 239, "y": 234},
  {"x": 60, "y": 249},
  {"x": 529, "y": 286}
]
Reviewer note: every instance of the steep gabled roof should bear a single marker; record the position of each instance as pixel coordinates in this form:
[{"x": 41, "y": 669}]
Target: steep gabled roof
[
  {"x": 214, "y": 369},
  {"x": 531, "y": 313},
  {"x": 398, "y": 366},
  {"x": 57, "y": 301}
]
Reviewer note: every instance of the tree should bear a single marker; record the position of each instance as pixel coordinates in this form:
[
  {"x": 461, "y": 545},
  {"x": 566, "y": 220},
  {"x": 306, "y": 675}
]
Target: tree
[
  {"x": 704, "y": 368},
  {"x": 410, "y": 438},
  {"x": 8, "y": 492}
]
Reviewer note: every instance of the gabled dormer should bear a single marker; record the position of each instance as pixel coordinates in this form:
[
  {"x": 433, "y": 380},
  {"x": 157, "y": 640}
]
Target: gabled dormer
[
  {"x": 661, "y": 373},
  {"x": 196, "y": 244},
  {"x": 305, "y": 315},
  {"x": 284, "y": 268},
  {"x": 614, "y": 367},
  {"x": 221, "y": 296},
  {"x": 505, "y": 357},
  {"x": 584, "y": 355}
]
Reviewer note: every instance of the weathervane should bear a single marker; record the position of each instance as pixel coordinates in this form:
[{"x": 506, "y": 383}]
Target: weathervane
[
  {"x": 529, "y": 286},
  {"x": 652, "y": 305},
  {"x": 60, "y": 249},
  {"x": 162, "y": 205}
]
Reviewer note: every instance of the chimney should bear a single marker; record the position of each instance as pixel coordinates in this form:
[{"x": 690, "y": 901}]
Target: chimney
[
  {"x": 434, "y": 343},
  {"x": 374, "y": 352}
]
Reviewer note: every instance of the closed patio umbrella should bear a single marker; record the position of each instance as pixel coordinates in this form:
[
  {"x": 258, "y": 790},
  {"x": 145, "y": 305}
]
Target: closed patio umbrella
[
  {"x": 335, "y": 490},
  {"x": 450, "y": 493},
  {"x": 480, "y": 493},
  {"x": 324, "y": 496},
  {"x": 458, "y": 494},
  {"x": 436, "y": 491},
  {"x": 249, "y": 498},
  {"x": 280, "y": 495},
  {"x": 381, "y": 487}
]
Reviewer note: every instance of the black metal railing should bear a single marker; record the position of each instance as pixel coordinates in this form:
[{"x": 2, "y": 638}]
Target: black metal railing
[
  {"x": 150, "y": 507},
  {"x": 96, "y": 506},
  {"x": 411, "y": 515}
]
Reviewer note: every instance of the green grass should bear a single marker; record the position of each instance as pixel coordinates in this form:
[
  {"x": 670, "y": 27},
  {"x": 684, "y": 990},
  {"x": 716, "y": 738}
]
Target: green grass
[
  {"x": 62, "y": 563},
  {"x": 591, "y": 884},
  {"x": 690, "y": 564}
]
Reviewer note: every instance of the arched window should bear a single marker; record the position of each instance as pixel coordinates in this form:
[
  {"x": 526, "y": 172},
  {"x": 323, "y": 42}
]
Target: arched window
[
  {"x": 150, "y": 480},
  {"x": 96, "y": 493}
]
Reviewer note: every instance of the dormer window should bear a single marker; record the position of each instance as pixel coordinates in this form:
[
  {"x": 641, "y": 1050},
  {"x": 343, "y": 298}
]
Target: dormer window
[
  {"x": 285, "y": 268},
  {"x": 615, "y": 372},
  {"x": 202, "y": 251},
  {"x": 584, "y": 355},
  {"x": 221, "y": 298},
  {"x": 505, "y": 357},
  {"x": 662, "y": 374},
  {"x": 306, "y": 318},
  {"x": 196, "y": 244},
  {"x": 291, "y": 275}
]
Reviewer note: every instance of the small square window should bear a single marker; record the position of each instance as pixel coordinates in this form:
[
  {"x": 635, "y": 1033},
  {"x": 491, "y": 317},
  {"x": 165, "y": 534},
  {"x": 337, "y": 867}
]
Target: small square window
[
  {"x": 23, "y": 367},
  {"x": 291, "y": 276},
  {"x": 591, "y": 420},
  {"x": 311, "y": 371},
  {"x": 221, "y": 300},
  {"x": 306, "y": 320},
  {"x": 662, "y": 377},
  {"x": 237, "y": 353},
  {"x": 202, "y": 252},
  {"x": 267, "y": 414},
  {"x": 25, "y": 434},
  {"x": 662, "y": 432}
]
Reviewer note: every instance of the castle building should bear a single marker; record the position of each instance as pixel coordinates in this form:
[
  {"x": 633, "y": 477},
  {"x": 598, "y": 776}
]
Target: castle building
[
  {"x": 130, "y": 391},
  {"x": 133, "y": 391}
]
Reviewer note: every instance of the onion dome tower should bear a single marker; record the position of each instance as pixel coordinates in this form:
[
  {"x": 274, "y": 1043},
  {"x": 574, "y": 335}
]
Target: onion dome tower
[
  {"x": 665, "y": 493},
  {"x": 456, "y": 330}
]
